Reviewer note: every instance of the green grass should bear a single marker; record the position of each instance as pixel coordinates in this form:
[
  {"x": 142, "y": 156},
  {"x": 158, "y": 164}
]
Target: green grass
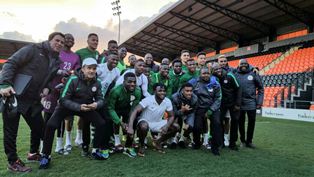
[{"x": 284, "y": 148}]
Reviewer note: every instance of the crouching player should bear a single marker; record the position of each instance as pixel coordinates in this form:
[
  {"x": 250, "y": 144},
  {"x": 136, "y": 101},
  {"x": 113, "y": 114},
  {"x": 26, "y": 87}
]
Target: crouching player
[
  {"x": 152, "y": 109},
  {"x": 185, "y": 103},
  {"x": 81, "y": 96},
  {"x": 122, "y": 99}
]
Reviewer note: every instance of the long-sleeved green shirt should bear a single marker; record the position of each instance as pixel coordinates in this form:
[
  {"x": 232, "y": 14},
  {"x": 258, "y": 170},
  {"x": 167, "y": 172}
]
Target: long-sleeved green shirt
[
  {"x": 188, "y": 76},
  {"x": 122, "y": 100},
  {"x": 175, "y": 80},
  {"x": 156, "y": 78}
]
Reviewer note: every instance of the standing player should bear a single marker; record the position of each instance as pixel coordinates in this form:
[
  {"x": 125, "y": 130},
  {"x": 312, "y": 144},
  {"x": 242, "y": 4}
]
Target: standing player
[
  {"x": 141, "y": 79},
  {"x": 70, "y": 61},
  {"x": 112, "y": 48},
  {"x": 149, "y": 61},
  {"x": 175, "y": 74},
  {"x": 231, "y": 101},
  {"x": 91, "y": 50},
  {"x": 122, "y": 54},
  {"x": 161, "y": 77},
  {"x": 190, "y": 73},
  {"x": 185, "y": 56},
  {"x": 165, "y": 61},
  {"x": 208, "y": 92},
  {"x": 108, "y": 74},
  {"x": 201, "y": 60},
  {"x": 132, "y": 60}
]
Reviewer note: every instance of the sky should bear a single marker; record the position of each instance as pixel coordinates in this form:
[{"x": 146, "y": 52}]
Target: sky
[{"x": 34, "y": 20}]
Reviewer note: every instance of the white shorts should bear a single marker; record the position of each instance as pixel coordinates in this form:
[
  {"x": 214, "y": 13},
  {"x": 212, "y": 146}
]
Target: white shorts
[{"x": 155, "y": 126}]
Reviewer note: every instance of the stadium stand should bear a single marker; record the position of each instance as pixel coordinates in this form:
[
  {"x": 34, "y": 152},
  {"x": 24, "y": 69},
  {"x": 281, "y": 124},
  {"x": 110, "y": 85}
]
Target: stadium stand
[
  {"x": 258, "y": 61},
  {"x": 299, "y": 61}
]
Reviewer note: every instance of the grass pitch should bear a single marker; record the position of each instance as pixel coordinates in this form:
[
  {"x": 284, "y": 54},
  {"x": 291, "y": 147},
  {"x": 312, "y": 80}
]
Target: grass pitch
[{"x": 284, "y": 148}]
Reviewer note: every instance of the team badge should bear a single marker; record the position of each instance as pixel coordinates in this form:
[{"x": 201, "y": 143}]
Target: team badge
[
  {"x": 132, "y": 98},
  {"x": 225, "y": 81},
  {"x": 250, "y": 77},
  {"x": 94, "y": 89}
]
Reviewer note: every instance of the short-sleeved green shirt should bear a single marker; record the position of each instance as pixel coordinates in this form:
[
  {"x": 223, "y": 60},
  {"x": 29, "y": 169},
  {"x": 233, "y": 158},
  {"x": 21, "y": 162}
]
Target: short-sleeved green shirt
[{"x": 87, "y": 53}]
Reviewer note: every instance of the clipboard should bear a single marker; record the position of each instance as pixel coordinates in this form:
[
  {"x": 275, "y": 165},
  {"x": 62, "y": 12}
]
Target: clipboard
[{"x": 21, "y": 83}]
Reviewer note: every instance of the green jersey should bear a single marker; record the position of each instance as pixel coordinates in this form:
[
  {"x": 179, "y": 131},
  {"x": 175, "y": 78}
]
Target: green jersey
[
  {"x": 121, "y": 100},
  {"x": 156, "y": 78},
  {"x": 87, "y": 53}
]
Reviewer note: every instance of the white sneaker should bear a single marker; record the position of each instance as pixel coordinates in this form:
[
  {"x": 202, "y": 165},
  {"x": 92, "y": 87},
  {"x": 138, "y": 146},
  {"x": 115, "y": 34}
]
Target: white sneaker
[
  {"x": 78, "y": 143},
  {"x": 226, "y": 140}
]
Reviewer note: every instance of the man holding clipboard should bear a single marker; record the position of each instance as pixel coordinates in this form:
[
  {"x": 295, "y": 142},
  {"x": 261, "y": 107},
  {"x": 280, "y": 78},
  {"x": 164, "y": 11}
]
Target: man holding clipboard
[{"x": 23, "y": 77}]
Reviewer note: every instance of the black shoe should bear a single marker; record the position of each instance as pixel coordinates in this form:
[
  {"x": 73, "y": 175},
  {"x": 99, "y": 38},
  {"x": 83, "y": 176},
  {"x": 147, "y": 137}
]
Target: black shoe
[
  {"x": 250, "y": 145},
  {"x": 182, "y": 144},
  {"x": 44, "y": 162},
  {"x": 215, "y": 152},
  {"x": 196, "y": 146},
  {"x": 97, "y": 155},
  {"x": 173, "y": 145},
  {"x": 233, "y": 147}
]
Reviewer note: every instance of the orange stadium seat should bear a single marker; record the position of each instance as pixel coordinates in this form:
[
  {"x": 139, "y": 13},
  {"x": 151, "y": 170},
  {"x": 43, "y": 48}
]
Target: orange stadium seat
[
  {"x": 270, "y": 93},
  {"x": 300, "y": 61},
  {"x": 257, "y": 61}
]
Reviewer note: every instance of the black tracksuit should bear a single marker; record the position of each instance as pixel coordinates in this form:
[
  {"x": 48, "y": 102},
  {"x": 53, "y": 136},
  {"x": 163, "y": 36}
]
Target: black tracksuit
[
  {"x": 77, "y": 91},
  {"x": 231, "y": 97},
  {"x": 40, "y": 62}
]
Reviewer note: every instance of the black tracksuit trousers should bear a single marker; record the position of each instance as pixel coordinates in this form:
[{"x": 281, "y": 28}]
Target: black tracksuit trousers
[
  {"x": 60, "y": 114},
  {"x": 11, "y": 121},
  {"x": 199, "y": 127},
  {"x": 250, "y": 128}
]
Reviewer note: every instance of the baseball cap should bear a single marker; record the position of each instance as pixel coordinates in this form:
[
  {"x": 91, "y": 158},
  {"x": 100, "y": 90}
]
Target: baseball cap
[{"x": 89, "y": 61}]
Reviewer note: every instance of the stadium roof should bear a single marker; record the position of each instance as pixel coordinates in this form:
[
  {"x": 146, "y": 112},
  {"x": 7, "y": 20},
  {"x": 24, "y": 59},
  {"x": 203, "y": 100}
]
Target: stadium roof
[
  {"x": 8, "y": 47},
  {"x": 206, "y": 24}
]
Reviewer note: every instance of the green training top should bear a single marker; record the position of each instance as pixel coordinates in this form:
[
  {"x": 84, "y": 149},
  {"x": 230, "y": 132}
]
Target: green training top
[
  {"x": 175, "y": 80},
  {"x": 87, "y": 53},
  {"x": 184, "y": 68},
  {"x": 156, "y": 78},
  {"x": 188, "y": 76},
  {"x": 121, "y": 65},
  {"x": 122, "y": 100}
]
